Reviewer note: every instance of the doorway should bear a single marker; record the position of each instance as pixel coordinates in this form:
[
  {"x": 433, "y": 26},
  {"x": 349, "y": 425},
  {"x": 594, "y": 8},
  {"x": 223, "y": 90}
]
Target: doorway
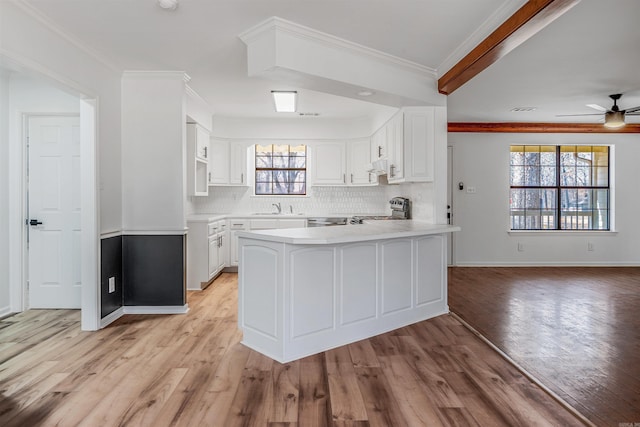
[
  {"x": 29, "y": 94},
  {"x": 450, "y": 219},
  {"x": 54, "y": 211}
]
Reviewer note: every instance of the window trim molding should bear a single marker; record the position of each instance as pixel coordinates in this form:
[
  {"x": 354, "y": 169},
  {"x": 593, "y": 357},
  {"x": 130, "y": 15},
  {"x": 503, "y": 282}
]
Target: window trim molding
[{"x": 610, "y": 193}]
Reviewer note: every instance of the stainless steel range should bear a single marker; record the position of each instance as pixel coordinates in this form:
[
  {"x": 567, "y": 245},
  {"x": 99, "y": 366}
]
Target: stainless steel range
[{"x": 400, "y": 209}]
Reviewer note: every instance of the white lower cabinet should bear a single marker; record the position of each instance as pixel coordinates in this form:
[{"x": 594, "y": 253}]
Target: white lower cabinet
[
  {"x": 235, "y": 225},
  {"x": 205, "y": 252}
]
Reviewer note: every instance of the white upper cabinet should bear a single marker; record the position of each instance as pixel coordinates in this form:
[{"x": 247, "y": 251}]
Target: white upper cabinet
[
  {"x": 228, "y": 162},
  {"x": 237, "y": 163},
  {"x": 411, "y": 143},
  {"x": 201, "y": 140},
  {"x": 359, "y": 156},
  {"x": 395, "y": 144},
  {"x": 197, "y": 160},
  {"x": 379, "y": 144},
  {"x": 329, "y": 161},
  {"x": 219, "y": 162}
]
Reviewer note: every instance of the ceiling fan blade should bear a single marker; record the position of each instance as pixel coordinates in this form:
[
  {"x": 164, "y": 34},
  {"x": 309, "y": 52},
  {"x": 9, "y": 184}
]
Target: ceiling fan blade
[
  {"x": 576, "y": 115},
  {"x": 597, "y": 107},
  {"x": 637, "y": 113},
  {"x": 632, "y": 110}
]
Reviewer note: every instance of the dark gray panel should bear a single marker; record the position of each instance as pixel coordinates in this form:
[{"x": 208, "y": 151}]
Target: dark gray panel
[
  {"x": 154, "y": 270},
  {"x": 110, "y": 266}
]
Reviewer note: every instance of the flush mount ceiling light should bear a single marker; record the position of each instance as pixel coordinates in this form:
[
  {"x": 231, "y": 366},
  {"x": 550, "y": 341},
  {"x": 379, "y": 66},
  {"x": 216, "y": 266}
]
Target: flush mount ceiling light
[
  {"x": 614, "y": 119},
  {"x": 285, "y": 101},
  {"x": 168, "y": 4}
]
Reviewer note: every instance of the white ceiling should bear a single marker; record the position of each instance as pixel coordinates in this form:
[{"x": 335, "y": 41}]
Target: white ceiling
[{"x": 586, "y": 54}]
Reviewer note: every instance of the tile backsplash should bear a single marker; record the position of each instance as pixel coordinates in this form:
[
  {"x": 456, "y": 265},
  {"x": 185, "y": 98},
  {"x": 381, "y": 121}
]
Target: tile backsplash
[{"x": 319, "y": 201}]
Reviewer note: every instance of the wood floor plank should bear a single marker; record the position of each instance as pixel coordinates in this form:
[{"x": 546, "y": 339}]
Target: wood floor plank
[
  {"x": 347, "y": 403},
  {"x": 380, "y": 402},
  {"x": 314, "y": 408},
  {"x": 417, "y": 407},
  {"x": 286, "y": 379}
]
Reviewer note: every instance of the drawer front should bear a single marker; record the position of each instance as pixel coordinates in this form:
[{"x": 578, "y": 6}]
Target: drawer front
[
  {"x": 238, "y": 224},
  {"x": 213, "y": 228}
]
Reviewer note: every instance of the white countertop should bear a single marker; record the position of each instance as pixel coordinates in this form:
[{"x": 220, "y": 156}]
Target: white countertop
[
  {"x": 205, "y": 217},
  {"x": 380, "y": 230}
]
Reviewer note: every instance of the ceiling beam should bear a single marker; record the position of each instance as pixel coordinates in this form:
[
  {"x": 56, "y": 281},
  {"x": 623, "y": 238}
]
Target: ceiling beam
[
  {"x": 520, "y": 127},
  {"x": 532, "y": 17}
]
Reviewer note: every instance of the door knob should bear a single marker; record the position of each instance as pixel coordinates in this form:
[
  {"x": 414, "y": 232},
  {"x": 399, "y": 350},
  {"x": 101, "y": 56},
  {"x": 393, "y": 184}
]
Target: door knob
[{"x": 34, "y": 222}]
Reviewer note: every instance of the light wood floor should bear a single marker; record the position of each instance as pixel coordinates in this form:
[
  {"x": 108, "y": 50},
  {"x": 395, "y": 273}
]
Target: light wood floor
[
  {"x": 577, "y": 330},
  {"x": 191, "y": 370}
]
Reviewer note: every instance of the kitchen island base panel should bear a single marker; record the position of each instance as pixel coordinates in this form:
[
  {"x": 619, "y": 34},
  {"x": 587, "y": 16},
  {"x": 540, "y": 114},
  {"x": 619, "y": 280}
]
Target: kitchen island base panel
[{"x": 297, "y": 300}]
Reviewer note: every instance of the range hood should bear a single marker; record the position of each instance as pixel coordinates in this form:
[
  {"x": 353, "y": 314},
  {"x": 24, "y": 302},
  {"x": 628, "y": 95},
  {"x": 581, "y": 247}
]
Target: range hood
[{"x": 378, "y": 167}]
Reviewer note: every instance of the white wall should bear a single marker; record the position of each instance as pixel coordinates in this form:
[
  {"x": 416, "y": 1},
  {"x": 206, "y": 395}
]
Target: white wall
[
  {"x": 153, "y": 151},
  {"x": 482, "y": 161},
  {"x": 4, "y": 193},
  {"x": 45, "y": 51}
]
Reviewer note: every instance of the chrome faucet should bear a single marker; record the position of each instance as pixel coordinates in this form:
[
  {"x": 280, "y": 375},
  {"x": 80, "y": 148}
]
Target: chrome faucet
[{"x": 277, "y": 205}]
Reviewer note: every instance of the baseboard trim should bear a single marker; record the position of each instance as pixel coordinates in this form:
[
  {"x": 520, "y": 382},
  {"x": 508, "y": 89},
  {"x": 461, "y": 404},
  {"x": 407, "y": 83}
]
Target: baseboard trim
[
  {"x": 546, "y": 264},
  {"x": 111, "y": 317},
  {"x": 5, "y": 311},
  {"x": 155, "y": 309},
  {"x": 524, "y": 372}
]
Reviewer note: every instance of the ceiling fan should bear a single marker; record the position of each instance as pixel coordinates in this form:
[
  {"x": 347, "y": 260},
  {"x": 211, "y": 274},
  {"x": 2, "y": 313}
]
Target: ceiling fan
[{"x": 614, "y": 116}]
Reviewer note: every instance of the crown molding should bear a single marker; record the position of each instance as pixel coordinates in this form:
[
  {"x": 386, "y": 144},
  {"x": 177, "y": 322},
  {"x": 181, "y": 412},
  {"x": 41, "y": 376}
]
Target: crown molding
[
  {"x": 508, "y": 8},
  {"x": 51, "y": 25},
  {"x": 521, "y": 127},
  {"x": 276, "y": 23}
]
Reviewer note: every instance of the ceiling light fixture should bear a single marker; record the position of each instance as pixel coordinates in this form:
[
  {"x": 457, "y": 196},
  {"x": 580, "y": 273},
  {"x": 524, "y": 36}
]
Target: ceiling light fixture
[
  {"x": 168, "y": 4},
  {"x": 285, "y": 101},
  {"x": 365, "y": 93},
  {"x": 614, "y": 119}
]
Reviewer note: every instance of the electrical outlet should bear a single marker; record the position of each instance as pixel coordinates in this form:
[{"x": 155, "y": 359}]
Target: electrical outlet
[
  {"x": 590, "y": 247},
  {"x": 112, "y": 285},
  {"x": 471, "y": 190},
  {"x": 520, "y": 247}
]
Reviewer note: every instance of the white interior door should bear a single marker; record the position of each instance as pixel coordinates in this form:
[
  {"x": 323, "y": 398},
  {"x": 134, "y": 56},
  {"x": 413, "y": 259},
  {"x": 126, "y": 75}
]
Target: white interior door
[{"x": 54, "y": 212}]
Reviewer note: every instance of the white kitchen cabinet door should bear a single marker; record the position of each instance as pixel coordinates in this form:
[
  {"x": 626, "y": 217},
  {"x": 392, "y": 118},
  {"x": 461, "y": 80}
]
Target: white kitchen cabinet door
[
  {"x": 202, "y": 142},
  {"x": 222, "y": 250},
  {"x": 359, "y": 160},
  {"x": 235, "y": 225},
  {"x": 379, "y": 144},
  {"x": 197, "y": 164},
  {"x": 419, "y": 144},
  {"x": 396, "y": 145},
  {"x": 237, "y": 163},
  {"x": 213, "y": 256},
  {"x": 329, "y": 161},
  {"x": 219, "y": 162}
]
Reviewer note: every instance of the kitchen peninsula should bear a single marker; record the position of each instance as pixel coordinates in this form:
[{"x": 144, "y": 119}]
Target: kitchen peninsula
[{"x": 306, "y": 290}]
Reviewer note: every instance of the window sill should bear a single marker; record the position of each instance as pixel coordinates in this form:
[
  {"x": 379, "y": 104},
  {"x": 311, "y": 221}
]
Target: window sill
[
  {"x": 562, "y": 232},
  {"x": 276, "y": 196}
]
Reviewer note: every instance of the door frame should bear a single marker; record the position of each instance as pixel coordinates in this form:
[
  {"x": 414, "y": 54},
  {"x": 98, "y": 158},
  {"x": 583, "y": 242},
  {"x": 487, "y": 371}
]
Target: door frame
[{"x": 90, "y": 220}]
